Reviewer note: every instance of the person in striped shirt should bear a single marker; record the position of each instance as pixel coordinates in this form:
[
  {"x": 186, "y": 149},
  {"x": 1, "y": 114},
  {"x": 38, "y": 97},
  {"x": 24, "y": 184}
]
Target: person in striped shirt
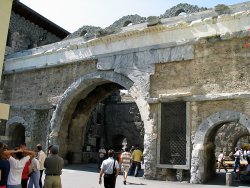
[{"x": 125, "y": 164}]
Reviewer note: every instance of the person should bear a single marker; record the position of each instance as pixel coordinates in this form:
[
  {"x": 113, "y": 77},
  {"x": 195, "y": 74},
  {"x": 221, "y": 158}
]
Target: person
[
  {"x": 102, "y": 153},
  {"x": 41, "y": 156},
  {"x": 110, "y": 170},
  {"x": 26, "y": 170},
  {"x": 136, "y": 160},
  {"x": 119, "y": 157},
  {"x": 35, "y": 174},
  {"x": 244, "y": 174},
  {"x": 237, "y": 156},
  {"x": 17, "y": 159},
  {"x": 221, "y": 159},
  {"x": 26, "y": 173},
  {"x": 125, "y": 164},
  {"x": 53, "y": 169},
  {"x": 4, "y": 167}
]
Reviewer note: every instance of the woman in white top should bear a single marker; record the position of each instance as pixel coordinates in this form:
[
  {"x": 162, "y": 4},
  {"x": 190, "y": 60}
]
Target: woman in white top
[{"x": 35, "y": 174}]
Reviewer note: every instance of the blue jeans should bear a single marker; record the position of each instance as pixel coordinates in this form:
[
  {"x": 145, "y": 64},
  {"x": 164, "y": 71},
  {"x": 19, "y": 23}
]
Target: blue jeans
[
  {"x": 34, "y": 179},
  {"x": 14, "y": 186},
  {"x": 236, "y": 163}
]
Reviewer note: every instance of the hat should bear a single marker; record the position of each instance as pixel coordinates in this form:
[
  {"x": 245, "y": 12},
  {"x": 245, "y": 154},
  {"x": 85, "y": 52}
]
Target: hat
[{"x": 54, "y": 149}]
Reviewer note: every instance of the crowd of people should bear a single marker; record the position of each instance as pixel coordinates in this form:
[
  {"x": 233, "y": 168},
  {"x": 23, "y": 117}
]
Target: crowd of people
[
  {"x": 128, "y": 162},
  {"x": 22, "y": 168}
]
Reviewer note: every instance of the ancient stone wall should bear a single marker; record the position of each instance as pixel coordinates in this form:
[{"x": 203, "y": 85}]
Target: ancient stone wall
[
  {"x": 201, "y": 62},
  {"x": 45, "y": 86},
  {"x": 24, "y": 35},
  {"x": 215, "y": 69}
]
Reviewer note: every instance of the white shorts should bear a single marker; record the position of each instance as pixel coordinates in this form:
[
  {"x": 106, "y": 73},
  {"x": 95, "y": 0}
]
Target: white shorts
[{"x": 125, "y": 168}]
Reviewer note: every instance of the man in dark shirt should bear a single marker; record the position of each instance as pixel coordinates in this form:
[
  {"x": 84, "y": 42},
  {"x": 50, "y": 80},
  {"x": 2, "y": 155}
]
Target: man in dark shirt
[{"x": 53, "y": 169}]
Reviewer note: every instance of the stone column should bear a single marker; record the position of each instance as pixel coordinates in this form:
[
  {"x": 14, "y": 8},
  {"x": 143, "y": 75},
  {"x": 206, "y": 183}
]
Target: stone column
[
  {"x": 197, "y": 166},
  {"x": 150, "y": 148}
]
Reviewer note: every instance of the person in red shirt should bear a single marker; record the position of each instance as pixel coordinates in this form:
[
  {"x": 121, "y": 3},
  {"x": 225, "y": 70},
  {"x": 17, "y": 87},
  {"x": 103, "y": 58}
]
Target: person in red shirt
[{"x": 25, "y": 174}]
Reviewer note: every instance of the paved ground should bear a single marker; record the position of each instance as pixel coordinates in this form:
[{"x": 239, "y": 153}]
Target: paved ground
[{"x": 87, "y": 176}]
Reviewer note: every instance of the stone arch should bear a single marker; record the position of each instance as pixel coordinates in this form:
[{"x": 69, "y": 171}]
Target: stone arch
[
  {"x": 179, "y": 11},
  {"x": 203, "y": 141},
  {"x": 126, "y": 23},
  {"x": 14, "y": 121},
  {"x": 83, "y": 86},
  {"x": 19, "y": 126},
  {"x": 184, "y": 7},
  {"x": 83, "y": 32}
]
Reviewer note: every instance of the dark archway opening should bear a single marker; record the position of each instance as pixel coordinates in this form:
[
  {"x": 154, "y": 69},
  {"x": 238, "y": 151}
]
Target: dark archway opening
[
  {"x": 100, "y": 117},
  {"x": 17, "y": 135}
]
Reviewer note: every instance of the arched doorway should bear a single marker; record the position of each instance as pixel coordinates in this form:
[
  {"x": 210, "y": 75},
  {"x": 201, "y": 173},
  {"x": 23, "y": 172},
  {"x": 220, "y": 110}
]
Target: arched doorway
[
  {"x": 16, "y": 131},
  {"x": 203, "y": 158},
  {"x": 17, "y": 135},
  {"x": 70, "y": 118}
]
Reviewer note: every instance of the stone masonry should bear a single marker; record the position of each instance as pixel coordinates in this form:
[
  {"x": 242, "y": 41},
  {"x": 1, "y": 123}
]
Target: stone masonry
[{"x": 199, "y": 59}]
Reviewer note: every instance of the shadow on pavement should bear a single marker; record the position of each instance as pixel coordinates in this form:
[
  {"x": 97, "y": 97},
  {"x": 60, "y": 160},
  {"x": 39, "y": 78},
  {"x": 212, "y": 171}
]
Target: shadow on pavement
[
  {"x": 131, "y": 183},
  {"x": 220, "y": 179}
]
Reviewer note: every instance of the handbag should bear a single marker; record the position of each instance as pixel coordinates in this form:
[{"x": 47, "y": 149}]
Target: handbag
[{"x": 114, "y": 169}]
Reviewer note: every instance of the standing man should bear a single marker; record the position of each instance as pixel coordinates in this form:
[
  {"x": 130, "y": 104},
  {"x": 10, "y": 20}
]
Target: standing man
[
  {"x": 41, "y": 156},
  {"x": 125, "y": 164},
  {"x": 110, "y": 170},
  {"x": 53, "y": 169},
  {"x": 102, "y": 153},
  {"x": 136, "y": 157}
]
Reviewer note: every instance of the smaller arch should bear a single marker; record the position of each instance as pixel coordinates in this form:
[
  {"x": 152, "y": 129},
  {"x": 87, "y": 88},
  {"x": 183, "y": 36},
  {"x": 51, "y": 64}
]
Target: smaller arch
[
  {"x": 127, "y": 23},
  {"x": 16, "y": 130},
  {"x": 83, "y": 33},
  {"x": 15, "y": 121},
  {"x": 203, "y": 144},
  {"x": 180, "y": 12}
]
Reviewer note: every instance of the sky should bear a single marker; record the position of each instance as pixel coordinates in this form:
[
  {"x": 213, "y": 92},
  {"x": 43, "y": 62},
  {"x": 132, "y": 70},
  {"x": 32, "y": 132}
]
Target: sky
[{"x": 73, "y": 14}]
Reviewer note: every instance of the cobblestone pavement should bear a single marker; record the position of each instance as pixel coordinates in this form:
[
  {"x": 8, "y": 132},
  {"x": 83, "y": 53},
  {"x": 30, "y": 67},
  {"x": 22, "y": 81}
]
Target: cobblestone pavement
[{"x": 87, "y": 176}]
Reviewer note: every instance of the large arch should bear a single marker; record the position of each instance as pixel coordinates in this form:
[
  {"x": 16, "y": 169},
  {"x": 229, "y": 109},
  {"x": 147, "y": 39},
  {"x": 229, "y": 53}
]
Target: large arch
[
  {"x": 203, "y": 142},
  {"x": 84, "y": 87}
]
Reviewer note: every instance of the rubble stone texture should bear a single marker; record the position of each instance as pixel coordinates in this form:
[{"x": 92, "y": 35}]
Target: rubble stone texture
[{"x": 200, "y": 59}]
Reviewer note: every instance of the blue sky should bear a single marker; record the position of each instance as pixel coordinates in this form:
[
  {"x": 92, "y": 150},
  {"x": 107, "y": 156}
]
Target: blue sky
[{"x": 73, "y": 14}]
